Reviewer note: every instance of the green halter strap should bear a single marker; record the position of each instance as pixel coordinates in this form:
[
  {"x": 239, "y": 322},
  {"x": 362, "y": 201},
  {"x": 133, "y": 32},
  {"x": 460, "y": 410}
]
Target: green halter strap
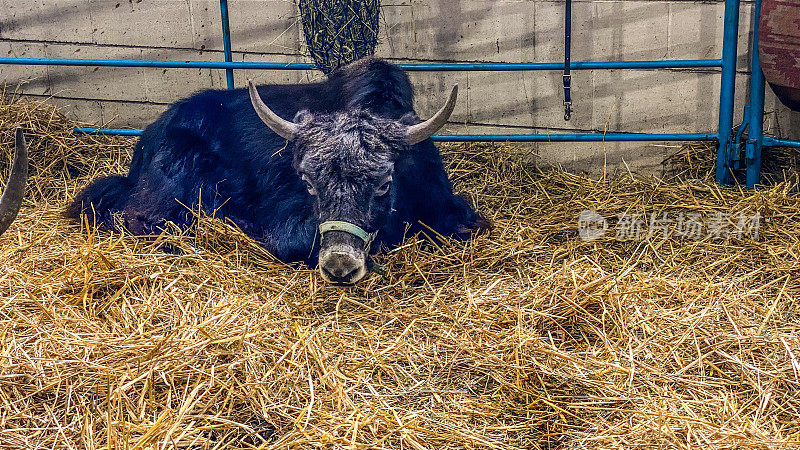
[{"x": 347, "y": 227}]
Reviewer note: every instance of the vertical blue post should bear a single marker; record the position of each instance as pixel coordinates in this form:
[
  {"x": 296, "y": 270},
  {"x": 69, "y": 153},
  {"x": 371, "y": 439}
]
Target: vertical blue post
[
  {"x": 226, "y": 40},
  {"x": 755, "y": 137},
  {"x": 728, "y": 88}
]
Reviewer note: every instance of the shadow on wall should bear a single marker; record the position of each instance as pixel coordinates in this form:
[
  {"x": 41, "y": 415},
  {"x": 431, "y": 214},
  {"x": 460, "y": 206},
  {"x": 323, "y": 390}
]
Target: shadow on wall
[
  {"x": 781, "y": 121},
  {"x": 19, "y": 19},
  {"x": 77, "y": 81}
]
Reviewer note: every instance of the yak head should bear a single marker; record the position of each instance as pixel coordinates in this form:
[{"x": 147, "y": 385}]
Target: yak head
[
  {"x": 346, "y": 160},
  {"x": 11, "y": 200}
]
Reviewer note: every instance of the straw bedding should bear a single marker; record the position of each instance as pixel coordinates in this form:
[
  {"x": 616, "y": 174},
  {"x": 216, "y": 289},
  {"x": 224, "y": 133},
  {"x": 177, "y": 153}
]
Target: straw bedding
[{"x": 527, "y": 337}]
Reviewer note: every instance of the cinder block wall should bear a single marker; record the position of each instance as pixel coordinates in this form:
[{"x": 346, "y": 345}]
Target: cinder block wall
[{"x": 412, "y": 30}]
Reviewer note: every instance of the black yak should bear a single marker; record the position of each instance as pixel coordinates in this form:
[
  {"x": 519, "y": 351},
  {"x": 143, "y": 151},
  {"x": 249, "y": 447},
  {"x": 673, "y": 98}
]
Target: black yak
[{"x": 353, "y": 170}]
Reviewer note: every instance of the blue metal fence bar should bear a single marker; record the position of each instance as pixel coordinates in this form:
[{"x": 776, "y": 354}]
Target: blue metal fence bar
[
  {"x": 774, "y": 142},
  {"x": 727, "y": 90},
  {"x": 755, "y": 110},
  {"x": 411, "y": 67},
  {"x": 226, "y": 40},
  {"x": 574, "y": 65},
  {"x": 583, "y": 137},
  {"x": 109, "y": 131},
  {"x": 755, "y": 128}
]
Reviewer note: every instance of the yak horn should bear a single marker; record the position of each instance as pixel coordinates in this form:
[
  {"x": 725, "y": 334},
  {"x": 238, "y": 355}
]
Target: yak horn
[
  {"x": 421, "y": 131},
  {"x": 282, "y": 127},
  {"x": 11, "y": 200}
]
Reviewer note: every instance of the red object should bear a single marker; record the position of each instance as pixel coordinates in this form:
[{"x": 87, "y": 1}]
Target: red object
[{"x": 779, "y": 49}]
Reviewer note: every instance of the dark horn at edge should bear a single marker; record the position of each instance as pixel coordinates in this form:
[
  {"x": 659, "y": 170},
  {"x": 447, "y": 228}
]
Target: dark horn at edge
[{"x": 11, "y": 200}]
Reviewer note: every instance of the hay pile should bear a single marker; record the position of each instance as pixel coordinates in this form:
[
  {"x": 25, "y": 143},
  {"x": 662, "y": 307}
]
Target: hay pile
[{"x": 525, "y": 338}]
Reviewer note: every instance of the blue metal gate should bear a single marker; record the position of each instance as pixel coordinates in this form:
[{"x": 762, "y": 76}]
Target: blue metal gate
[{"x": 729, "y": 142}]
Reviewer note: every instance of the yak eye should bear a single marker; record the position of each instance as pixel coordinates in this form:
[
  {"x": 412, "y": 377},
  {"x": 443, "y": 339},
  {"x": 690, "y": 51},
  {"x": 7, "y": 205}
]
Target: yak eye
[
  {"x": 309, "y": 186},
  {"x": 383, "y": 188}
]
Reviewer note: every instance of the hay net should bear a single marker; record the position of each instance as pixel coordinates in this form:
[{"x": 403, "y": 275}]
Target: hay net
[{"x": 339, "y": 32}]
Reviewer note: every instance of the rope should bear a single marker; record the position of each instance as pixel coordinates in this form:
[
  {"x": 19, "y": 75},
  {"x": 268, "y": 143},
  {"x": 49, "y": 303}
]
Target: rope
[{"x": 567, "y": 77}]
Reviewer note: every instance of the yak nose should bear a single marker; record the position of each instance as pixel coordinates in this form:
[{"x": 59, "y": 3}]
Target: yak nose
[{"x": 341, "y": 268}]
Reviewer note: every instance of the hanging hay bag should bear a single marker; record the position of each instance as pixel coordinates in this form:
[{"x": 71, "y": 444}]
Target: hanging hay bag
[{"x": 339, "y": 32}]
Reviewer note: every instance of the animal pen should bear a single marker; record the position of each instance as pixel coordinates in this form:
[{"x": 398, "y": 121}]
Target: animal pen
[
  {"x": 533, "y": 336},
  {"x": 728, "y": 139}
]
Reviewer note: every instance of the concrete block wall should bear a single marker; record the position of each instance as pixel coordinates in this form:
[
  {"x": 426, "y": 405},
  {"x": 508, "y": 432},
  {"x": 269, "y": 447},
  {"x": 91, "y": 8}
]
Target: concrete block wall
[{"x": 411, "y": 31}]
